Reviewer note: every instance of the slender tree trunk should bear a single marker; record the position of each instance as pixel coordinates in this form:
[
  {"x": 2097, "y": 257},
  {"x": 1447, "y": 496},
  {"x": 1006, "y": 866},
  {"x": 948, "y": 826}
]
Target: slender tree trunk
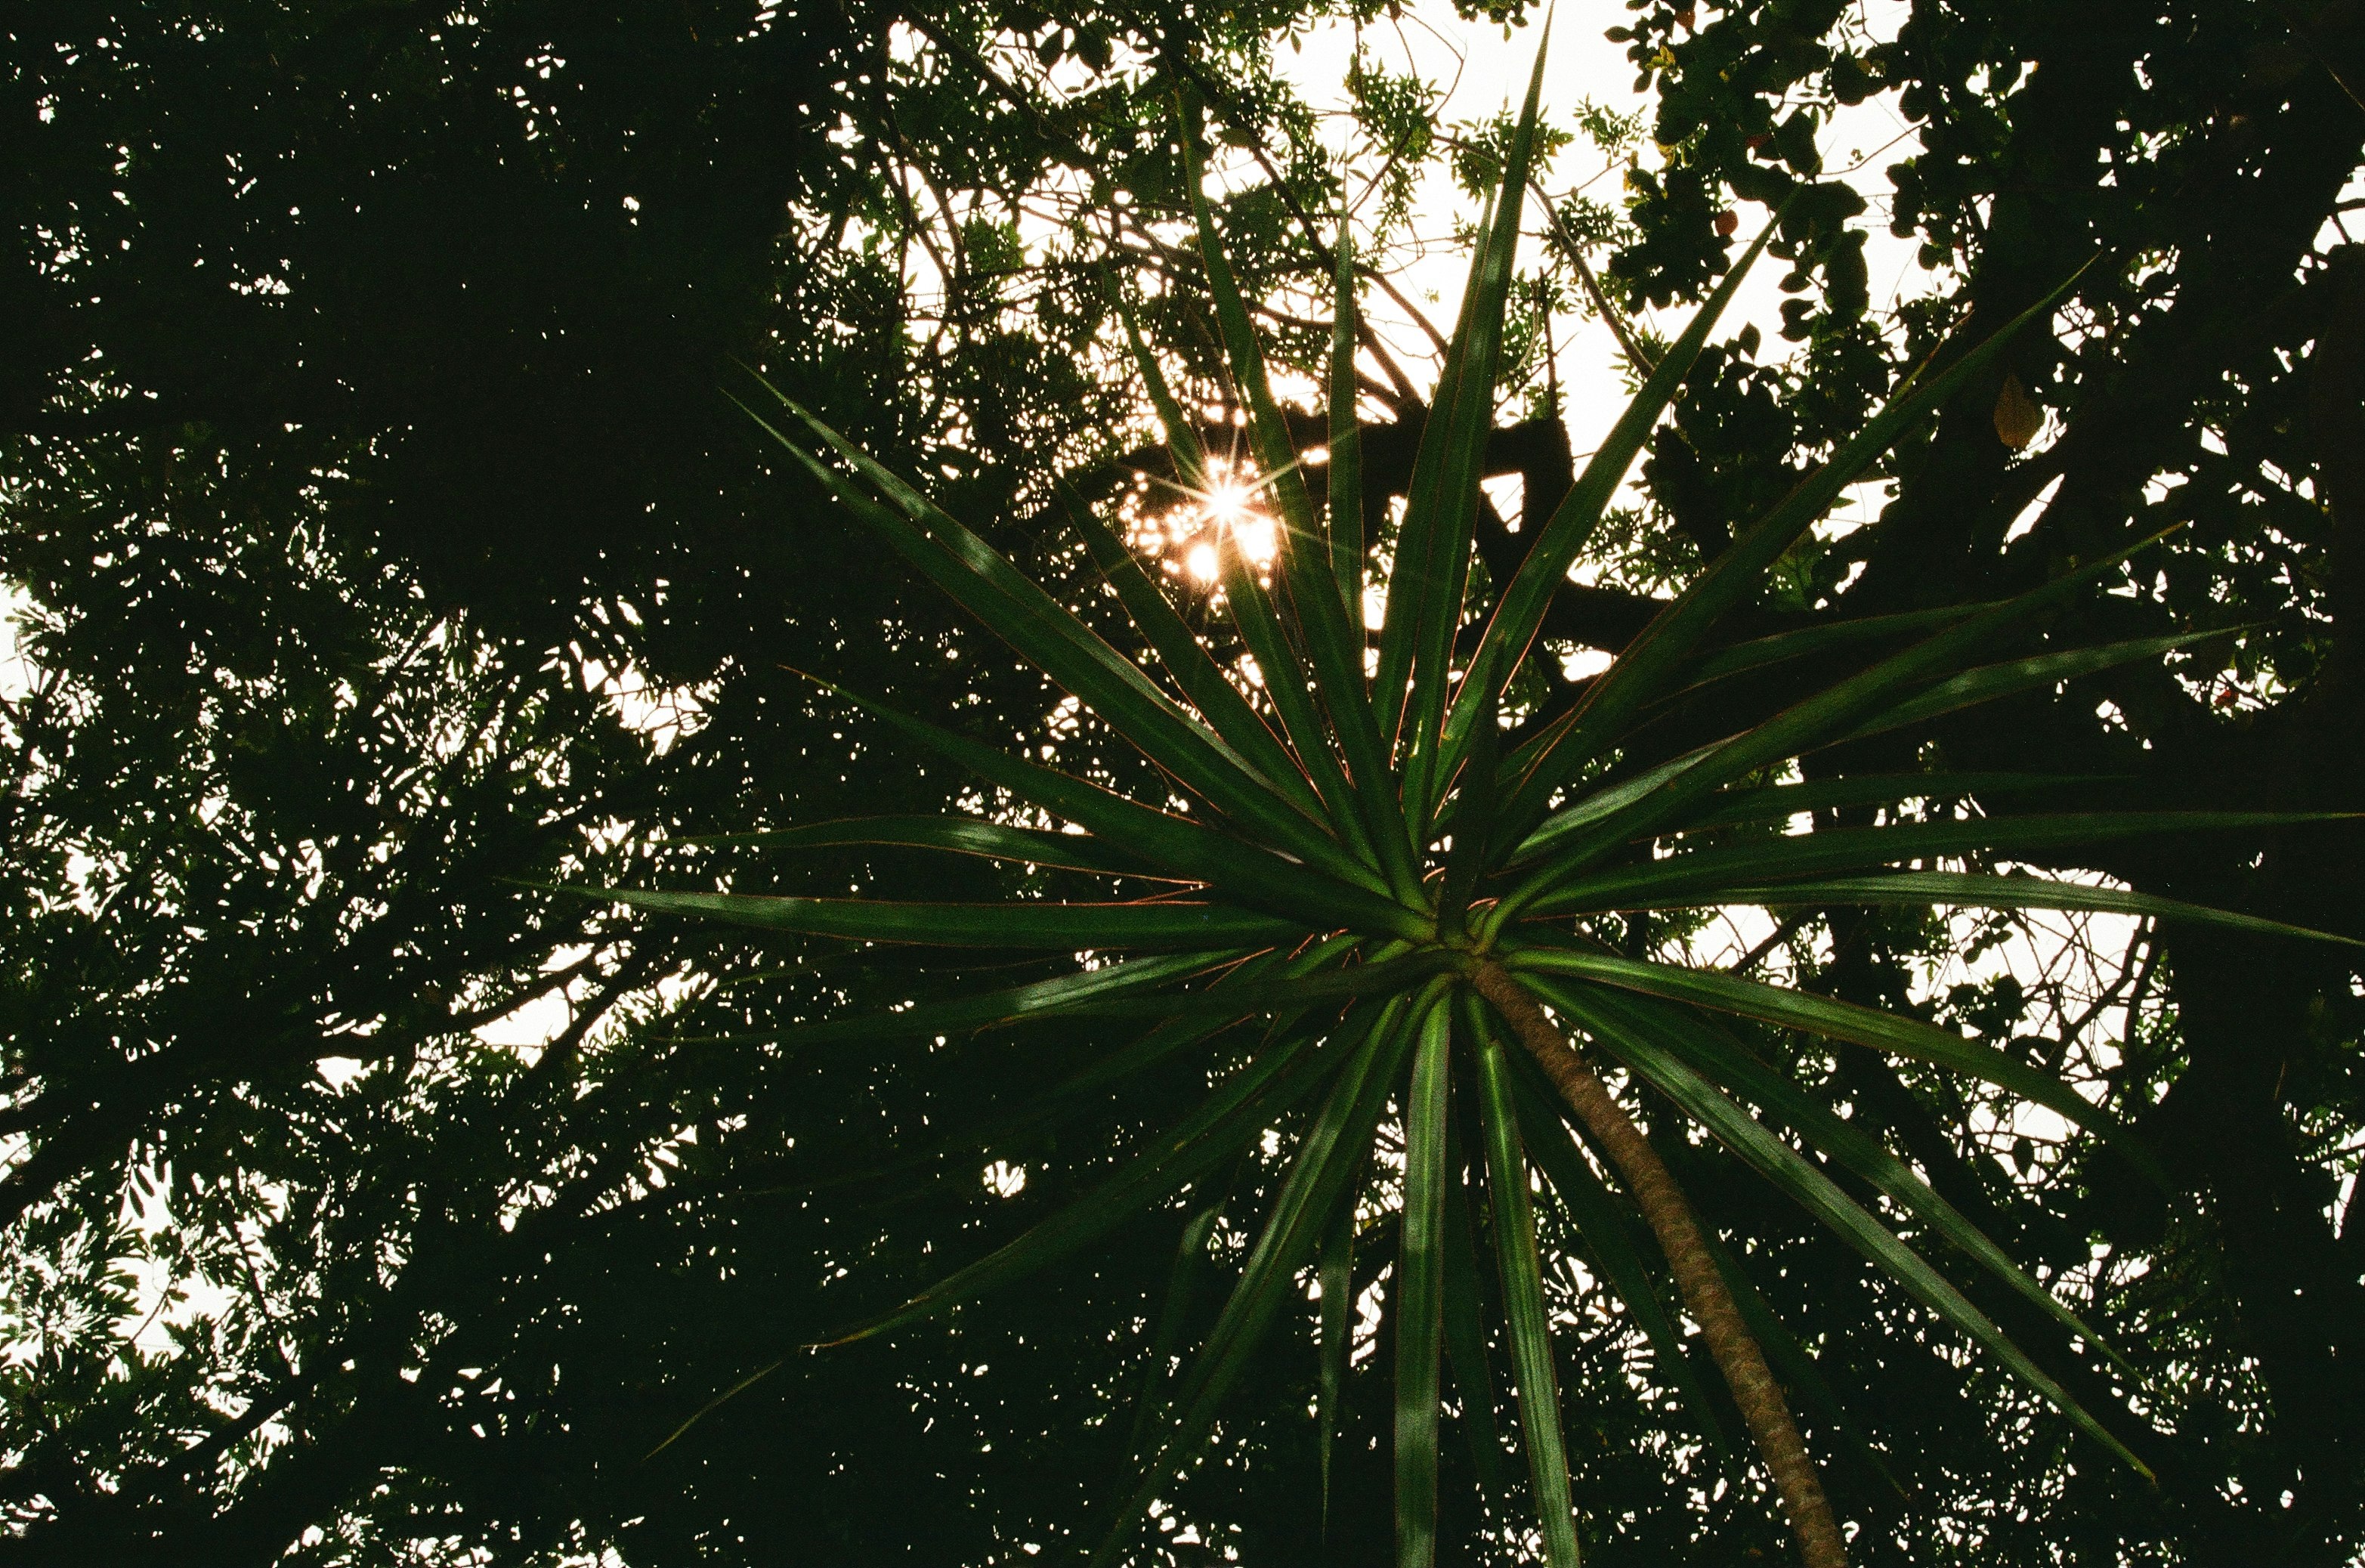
[{"x": 1705, "y": 1296}]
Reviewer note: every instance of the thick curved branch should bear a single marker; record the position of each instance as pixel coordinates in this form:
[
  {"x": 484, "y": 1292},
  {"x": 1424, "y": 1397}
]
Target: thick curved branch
[{"x": 1706, "y": 1297}]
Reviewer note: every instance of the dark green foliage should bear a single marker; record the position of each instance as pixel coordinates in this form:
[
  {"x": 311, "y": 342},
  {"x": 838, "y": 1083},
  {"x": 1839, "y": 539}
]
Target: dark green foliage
[
  {"x": 371, "y": 491},
  {"x": 2192, "y": 159},
  {"x": 1393, "y": 853},
  {"x": 326, "y": 591}
]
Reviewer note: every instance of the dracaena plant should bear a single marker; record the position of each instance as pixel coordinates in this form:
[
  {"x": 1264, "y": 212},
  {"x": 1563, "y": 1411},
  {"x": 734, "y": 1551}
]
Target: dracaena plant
[{"x": 1371, "y": 901}]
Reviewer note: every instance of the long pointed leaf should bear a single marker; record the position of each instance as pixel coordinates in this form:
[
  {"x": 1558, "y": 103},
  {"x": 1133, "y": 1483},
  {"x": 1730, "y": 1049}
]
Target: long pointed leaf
[
  {"x": 977, "y": 578},
  {"x": 1987, "y": 683},
  {"x": 1825, "y": 717},
  {"x": 1421, "y": 1295},
  {"x": 1966, "y": 890},
  {"x": 1334, "y": 641},
  {"x": 1062, "y": 926},
  {"x": 1523, "y": 1299},
  {"x": 1050, "y": 636},
  {"x": 1522, "y": 603},
  {"x": 1138, "y": 988},
  {"x": 1292, "y": 688},
  {"x": 1180, "y": 846},
  {"x": 1645, "y": 667},
  {"x": 1178, "y": 1030},
  {"x": 1100, "y": 991},
  {"x": 1815, "y": 1191},
  {"x": 1285, "y": 677},
  {"x": 1412, "y": 576},
  {"x": 1469, "y": 416},
  {"x": 1610, "y": 1235},
  {"x": 1763, "y": 653},
  {"x": 1247, "y": 984},
  {"x": 1465, "y": 1334},
  {"x": 1335, "y": 1336},
  {"x": 1327, "y": 1156},
  {"x": 1235, "y": 1112},
  {"x": 1612, "y": 1230},
  {"x": 1182, "y": 1288},
  {"x": 1344, "y": 521},
  {"x": 962, "y": 835},
  {"x": 1473, "y": 829},
  {"x": 1224, "y": 706},
  {"x": 1779, "y": 803},
  {"x": 1181, "y": 437},
  {"x": 1760, "y": 863},
  {"x": 1827, "y": 1016},
  {"x": 1190, "y": 664},
  {"x": 1562, "y": 826},
  {"x": 1723, "y": 1062}
]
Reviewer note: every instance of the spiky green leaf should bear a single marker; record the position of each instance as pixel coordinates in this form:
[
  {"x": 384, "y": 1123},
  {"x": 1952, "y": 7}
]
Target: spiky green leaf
[
  {"x": 1421, "y": 1294},
  {"x": 1630, "y": 1038},
  {"x": 1523, "y": 1298}
]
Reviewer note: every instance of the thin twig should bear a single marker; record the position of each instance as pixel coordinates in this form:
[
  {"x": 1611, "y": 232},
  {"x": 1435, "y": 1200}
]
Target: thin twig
[
  {"x": 1322, "y": 252},
  {"x": 1575, "y": 254},
  {"x": 1781, "y": 935}
]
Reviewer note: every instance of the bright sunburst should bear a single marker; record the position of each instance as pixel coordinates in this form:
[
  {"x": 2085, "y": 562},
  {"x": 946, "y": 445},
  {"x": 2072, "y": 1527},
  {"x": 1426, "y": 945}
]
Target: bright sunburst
[{"x": 1231, "y": 517}]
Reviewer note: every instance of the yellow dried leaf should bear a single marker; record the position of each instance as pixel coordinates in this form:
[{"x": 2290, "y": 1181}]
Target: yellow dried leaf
[{"x": 2017, "y": 417}]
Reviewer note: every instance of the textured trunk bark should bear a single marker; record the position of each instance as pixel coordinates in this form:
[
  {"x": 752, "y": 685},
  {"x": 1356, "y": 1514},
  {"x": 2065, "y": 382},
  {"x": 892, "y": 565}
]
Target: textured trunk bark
[{"x": 1653, "y": 1188}]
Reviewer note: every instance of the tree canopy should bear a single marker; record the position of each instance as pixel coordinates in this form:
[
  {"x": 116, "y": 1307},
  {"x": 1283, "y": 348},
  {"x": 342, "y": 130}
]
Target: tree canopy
[{"x": 388, "y": 548}]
